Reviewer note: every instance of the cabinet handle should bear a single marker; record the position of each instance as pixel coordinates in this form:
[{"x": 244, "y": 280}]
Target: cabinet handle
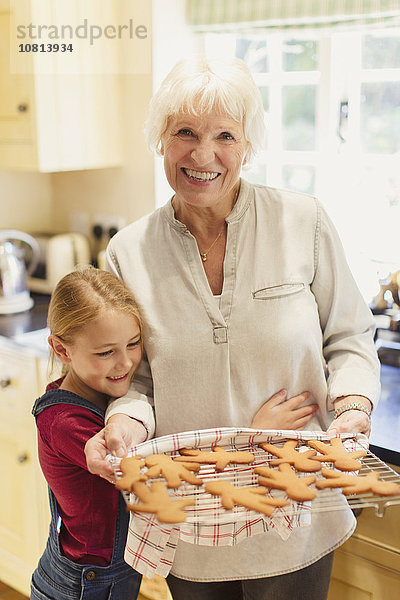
[
  {"x": 5, "y": 382},
  {"x": 22, "y": 108},
  {"x": 22, "y": 458}
]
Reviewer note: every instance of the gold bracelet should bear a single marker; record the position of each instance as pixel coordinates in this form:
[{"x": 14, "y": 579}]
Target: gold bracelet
[{"x": 352, "y": 406}]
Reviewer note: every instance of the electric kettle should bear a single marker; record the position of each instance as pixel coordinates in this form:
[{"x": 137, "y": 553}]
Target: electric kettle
[{"x": 14, "y": 296}]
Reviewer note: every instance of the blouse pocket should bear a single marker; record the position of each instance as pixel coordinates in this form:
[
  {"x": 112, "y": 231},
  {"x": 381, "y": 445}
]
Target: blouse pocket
[{"x": 278, "y": 291}]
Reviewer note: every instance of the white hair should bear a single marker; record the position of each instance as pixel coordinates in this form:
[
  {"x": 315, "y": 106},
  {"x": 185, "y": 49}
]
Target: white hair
[{"x": 201, "y": 86}]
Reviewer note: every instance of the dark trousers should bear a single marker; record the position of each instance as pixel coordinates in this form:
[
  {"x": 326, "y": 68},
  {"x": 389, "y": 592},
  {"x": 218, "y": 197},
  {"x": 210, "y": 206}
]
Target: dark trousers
[{"x": 310, "y": 583}]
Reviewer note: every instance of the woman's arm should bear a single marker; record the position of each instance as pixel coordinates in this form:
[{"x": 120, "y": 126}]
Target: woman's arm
[
  {"x": 353, "y": 419},
  {"x": 348, "y": 329},
  {"x": 138, "y": 402}
]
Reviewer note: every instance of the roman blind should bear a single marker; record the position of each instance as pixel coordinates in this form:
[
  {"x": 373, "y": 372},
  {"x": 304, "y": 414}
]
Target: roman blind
[{"x": 298, "y": 14}]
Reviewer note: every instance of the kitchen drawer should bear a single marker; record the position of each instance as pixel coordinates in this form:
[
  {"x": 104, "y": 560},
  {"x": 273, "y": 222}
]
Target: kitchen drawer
[
  {"x": 367, "y": 566},
  {"x": 24, "y": 513},
  {"x": 24, "y": 510},
  {"x": 18, "y": 382}
]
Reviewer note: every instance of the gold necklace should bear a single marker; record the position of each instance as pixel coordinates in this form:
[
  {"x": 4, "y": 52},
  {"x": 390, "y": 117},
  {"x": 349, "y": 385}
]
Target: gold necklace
[{"x": 204, "y": 254}]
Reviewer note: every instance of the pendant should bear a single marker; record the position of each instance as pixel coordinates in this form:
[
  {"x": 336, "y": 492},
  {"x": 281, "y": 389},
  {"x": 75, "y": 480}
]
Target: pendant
[{"x": 203, "y": 256}]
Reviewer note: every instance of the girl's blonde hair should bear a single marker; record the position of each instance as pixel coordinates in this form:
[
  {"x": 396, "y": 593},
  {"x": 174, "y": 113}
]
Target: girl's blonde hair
[{"x": 80, "y": 297}]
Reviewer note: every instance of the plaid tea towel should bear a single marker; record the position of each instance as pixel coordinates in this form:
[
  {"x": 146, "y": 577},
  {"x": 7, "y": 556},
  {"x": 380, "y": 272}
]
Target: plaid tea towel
[{"x": 151, "y": 545}]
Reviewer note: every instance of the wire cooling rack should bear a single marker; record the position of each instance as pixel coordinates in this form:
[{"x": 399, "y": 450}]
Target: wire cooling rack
[{"x": 208, "y": 510}]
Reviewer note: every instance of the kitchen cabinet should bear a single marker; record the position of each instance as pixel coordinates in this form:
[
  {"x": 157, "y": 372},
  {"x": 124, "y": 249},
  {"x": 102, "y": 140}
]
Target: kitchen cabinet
[
  {"x": 51, "y": 120},
  {"x": 367, "y": 566},
  {"x": 16, "y": 125},
  {"x": 24, "y": 512}
]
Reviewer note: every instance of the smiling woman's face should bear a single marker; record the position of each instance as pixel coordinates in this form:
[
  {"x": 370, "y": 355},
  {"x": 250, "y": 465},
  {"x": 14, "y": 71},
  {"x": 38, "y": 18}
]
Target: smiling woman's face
[{"x": 203, "y": 157}]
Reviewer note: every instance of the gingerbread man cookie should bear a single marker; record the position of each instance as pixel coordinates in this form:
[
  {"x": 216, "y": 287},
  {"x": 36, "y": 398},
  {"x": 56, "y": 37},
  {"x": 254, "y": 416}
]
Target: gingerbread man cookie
[
  {"x": 130, "y": 467},
  {"x": 220, "y": 457},
  {"x": 155, "y": 500},
  {"x": 302, "y": 461},
  {"x": 252, "y": 498},
  {"x": 162, "y": 465},
  {"x": 286, "y": 479},
  {"x": 357, "y": 484},
  {"x": 337, "y": 454}
]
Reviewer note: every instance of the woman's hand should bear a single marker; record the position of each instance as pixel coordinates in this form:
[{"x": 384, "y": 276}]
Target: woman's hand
[
  {"x": 351, "y": 421},
  {"x": 120, "y": 433},
  {"x": 279, "y": 413}
]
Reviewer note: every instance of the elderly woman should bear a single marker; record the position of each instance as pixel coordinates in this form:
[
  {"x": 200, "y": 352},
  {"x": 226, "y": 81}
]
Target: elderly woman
[{"x": 251, "y": 319}]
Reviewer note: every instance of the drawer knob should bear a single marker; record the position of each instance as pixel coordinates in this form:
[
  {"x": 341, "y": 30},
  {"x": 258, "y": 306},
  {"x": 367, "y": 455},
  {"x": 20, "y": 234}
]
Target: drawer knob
[
  {"x": 22, "y": 107},
  {"x": 5, "y": 382},
  {"x": 22, "y": 458}
]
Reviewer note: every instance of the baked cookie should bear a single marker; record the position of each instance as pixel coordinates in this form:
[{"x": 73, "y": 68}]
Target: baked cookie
[
  {"x": 302, "y": 461},
  {"x": 155, "y": 500},
  {"x": 219, "y": 457},
  {"x": 337, "y": 454},
  {"x": 162, "y": 465},
  {"x": 286, "y": 479},
  {"x": 130, "y": 467},
  {"x": 252, "y": 498},
  {"x": 357, "y": 484}
]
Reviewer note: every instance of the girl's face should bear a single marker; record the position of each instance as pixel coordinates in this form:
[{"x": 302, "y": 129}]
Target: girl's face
[
  {"x": 104, "y": 356},
  {"x": 203, "y": 157}
]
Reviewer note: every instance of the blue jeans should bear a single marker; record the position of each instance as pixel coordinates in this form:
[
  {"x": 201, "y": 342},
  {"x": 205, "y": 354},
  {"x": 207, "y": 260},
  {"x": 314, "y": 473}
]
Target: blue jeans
[
  {"x": 87, "y": 583},
  {"x": 58, "y": 578},
  {"x": 310, "y": 583}
]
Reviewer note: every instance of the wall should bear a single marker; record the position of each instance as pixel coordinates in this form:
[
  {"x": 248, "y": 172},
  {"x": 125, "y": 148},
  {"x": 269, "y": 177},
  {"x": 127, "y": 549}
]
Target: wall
[
  {"x": 126, "y": 191},
  {"x": 26, "y": 201}
]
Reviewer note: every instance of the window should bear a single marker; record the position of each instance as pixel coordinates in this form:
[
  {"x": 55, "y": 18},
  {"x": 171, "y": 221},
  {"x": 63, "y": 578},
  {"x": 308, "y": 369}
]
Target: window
[{"x": 332, "y": 110}]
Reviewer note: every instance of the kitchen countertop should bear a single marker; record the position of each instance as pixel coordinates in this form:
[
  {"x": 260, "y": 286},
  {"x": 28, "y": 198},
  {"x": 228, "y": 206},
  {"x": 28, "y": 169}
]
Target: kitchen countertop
[
  {"x": 385, "y": 433},
  {"x": 385, "y": 436},
  {"x": 30, "y": 320}
]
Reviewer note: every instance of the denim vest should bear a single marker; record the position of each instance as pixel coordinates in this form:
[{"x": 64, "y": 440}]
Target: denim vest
[{"x": 57, "y": 577}]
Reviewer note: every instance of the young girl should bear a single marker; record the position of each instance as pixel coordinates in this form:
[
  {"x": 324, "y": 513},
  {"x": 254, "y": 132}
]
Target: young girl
[{"x": 95, "y": 331}]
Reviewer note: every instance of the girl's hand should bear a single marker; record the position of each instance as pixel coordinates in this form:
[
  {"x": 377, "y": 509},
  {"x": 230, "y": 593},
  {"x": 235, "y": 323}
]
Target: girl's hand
[
  {"x": 120, "y": 433},
  {"x": 96, "y": 451},
  {"x": 279, "y": 413},
  {"x": 351, "y": 421}
]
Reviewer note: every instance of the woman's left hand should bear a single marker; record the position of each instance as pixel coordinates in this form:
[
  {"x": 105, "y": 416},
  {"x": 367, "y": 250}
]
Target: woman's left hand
[{"x": 351, "y": 421}]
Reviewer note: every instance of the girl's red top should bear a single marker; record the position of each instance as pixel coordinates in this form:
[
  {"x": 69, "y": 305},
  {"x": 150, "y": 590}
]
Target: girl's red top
[{"x": 87, "y": 503}]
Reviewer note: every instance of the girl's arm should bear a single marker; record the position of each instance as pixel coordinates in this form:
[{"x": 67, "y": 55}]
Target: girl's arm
[{"x": 120, "y": 434}]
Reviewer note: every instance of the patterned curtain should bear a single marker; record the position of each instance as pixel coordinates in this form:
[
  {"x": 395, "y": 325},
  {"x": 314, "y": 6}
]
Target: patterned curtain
[{"x": 224, "y": 15}]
